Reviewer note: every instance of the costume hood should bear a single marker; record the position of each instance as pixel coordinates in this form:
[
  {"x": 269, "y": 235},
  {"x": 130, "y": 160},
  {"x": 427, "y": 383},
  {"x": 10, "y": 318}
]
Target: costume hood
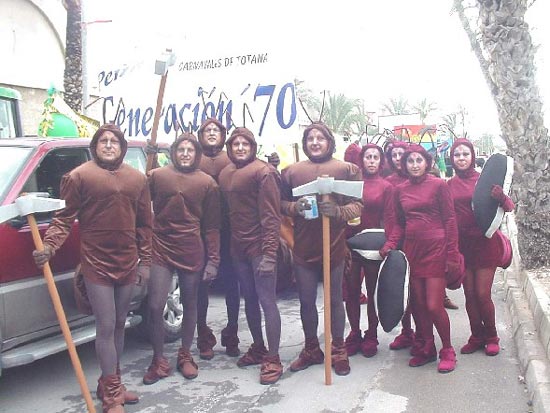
[
  {"x": 110, "y": 127},
  {"x": 249, "y": 136},
  {"x": 207, "y": 149},
  {"x": 321, "y": 127},
  {"x": 174, "y": 156}
]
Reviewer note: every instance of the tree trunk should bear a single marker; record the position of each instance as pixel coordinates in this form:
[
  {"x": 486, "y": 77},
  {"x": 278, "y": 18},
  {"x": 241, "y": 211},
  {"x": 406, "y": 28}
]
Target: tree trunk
[
  {"x": 509, "y": 49},
  {"x": 72, "y": 81}
]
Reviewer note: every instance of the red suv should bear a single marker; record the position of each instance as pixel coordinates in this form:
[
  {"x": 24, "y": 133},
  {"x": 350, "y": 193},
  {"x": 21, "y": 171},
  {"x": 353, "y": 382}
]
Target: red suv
[{"x": 29, "y": 329}]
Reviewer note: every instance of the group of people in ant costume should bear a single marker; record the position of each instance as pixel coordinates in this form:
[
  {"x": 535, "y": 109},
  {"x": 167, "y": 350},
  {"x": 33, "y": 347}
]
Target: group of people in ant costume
[{"x": 218, "y": 212}]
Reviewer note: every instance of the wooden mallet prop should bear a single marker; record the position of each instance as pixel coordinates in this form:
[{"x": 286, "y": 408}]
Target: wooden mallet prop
[
  {"x": 27, "y": 206},
  {"x": 162, "y": 64},
  {"x": 325, "y": 186}
]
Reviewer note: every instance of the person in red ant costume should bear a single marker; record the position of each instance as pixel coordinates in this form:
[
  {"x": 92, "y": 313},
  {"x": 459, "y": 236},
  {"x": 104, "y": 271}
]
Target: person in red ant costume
[
  {"x": 425, "y": 221},
  {"x": 377, "y": 213},
  {"x": 481, "y": 254}
]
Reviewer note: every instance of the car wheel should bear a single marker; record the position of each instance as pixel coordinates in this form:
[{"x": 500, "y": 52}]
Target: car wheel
[{"x": 172, "y": 315}]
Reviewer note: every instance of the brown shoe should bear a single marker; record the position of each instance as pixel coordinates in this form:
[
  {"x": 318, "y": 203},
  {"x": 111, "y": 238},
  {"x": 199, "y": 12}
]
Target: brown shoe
[
  {"x": 271, "y": 369},
  {"x": 447, "y": 303},
  {"x": 340, "y": 360},
  {"x": 230, "y": 341},
  {"x": 205, "y": 342},
  {"x": 159, "y": 369},
  {"x": 254, "y": 355},
  {"x": 113, "y": 394},
  {"x": 129, "y": 396},
  {"x": 310, "y": 355},
  {"x": 186, "y": 365}
]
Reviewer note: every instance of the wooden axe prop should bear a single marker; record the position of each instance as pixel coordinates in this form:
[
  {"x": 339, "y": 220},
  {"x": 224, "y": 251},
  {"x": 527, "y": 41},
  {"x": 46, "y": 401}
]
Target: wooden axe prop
[
  {"x": 325, "y": 186},
  {"x": 162, "y": 64},
  {"x": 27, "y": 206}
]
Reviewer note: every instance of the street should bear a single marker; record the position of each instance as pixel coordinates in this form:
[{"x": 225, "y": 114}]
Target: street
[{"x": 383, "y": 383}]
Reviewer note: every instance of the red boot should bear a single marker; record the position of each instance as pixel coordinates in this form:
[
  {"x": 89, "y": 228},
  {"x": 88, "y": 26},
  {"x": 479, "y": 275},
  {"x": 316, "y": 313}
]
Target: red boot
[
  {"x": 424, "y": 355},
  {"x": 253, "y": 356},
  {"x": 159, "y": 369},
  {"x": 353, "y": 342},
  {"x": 447, "y": 360},
  {"x": 474, "y": 344},
  {"x": 403, "y": 340},
  {"x": 205, "y": 342},
  {"x": 310, "y": 355},
  {"x": 340, "y": 361},
  {"x": 230, "y": 341},
  {"x": 369, "y": 346},
  {"x": 129, "y": 396},
  {"x": 492, "y": 348},
  {"x": 113, "y": 394}
]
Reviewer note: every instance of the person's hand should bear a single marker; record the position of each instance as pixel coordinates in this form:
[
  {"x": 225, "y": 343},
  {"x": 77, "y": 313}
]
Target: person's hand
[
  {"x": 151, "y": 149},
  {"x": 454, "y": 267},
  {"x": 42, "y": 257},
  {"x": 498, "y": 194},
  {"x": 328, "y": 208},
  {"x": 384, "y": 251},
  {"x": 210, "y": 272},
  {"x": 273, "y": 159},
  {"x": 267, "y": 266},
  {"x": 302, "y": 205},
  {"x": 143, "y": 273}
]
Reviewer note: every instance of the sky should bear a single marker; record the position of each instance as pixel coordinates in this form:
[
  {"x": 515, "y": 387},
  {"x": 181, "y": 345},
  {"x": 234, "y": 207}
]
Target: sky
[{"x": 369, "y": 49}]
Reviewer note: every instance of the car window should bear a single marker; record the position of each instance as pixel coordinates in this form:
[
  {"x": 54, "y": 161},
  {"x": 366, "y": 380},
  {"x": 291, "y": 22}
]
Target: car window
[
  {"x": 12, "y": 160},
  {"x": 47, "y": 176},
  {"x": 135, "y": 158},
  {"x": 163, "y": 157}
]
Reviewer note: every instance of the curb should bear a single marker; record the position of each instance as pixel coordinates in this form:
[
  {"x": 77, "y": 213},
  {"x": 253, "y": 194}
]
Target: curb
[{"x": 529, "y": 308}]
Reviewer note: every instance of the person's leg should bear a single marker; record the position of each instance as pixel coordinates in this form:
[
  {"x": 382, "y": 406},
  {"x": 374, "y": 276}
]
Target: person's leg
[
  {"x": 352, "y": 293},
  {"x": 338, "y": 313},
  {"x": 158, "y": 288},
  {"x": 102, "y": 300},
  {"x": 371, "y": 279},
  {"x": 251, "y": 304},
  {"x": 424, "y": 351},
  {"x": 189, "y": 286},
  {"x": 230, "y": 282},
  {"x": 123, "y": 297},
  {"x": 205, "y": 338},
  {"x": 477, "y": 337},
  {"x": 202, "y": 303},
  {"x": 484, "y": 282}
]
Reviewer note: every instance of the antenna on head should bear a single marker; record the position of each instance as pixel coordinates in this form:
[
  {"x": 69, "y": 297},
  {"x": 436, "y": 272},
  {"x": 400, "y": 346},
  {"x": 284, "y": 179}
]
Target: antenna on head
[
  {"x": 304, "y": 109},
  {"x": 322, "y": 106}
]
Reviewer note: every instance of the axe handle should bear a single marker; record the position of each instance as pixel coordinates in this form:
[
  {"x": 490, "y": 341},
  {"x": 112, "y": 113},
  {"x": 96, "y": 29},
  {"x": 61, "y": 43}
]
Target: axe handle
[
  {"x": 326, "y": 296},
  {"x": 58, "y": 307},
  {"x": 156, "y": 120}
]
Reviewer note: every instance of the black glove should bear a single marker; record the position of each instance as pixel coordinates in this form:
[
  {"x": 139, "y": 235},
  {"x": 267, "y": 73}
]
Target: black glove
[
  {"x": 273, "y": 159},
  {"x": 328, "y": 208},
  {"x": 42, "y": 257},
  {"x": 151, "y": 149},
  {"x": 301, "y": 205}
]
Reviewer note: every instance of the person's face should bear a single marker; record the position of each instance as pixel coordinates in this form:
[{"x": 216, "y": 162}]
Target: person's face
[
  {"x": 241, "y": 148},
  {"x": 316, "y": 143},
  {"x": 212, "y": 135},
  {"x": 396, "y": 154},
  {"x": 108, "y": 148},
  {"x": 185, "y": 154},
  {"x": 371, "y": 160},
  {"x": 462, "y": 157},
  {"x": 416, "y": 164}
]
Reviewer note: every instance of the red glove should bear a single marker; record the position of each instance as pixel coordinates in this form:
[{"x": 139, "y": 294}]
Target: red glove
[{"x": 498, "y": 194}]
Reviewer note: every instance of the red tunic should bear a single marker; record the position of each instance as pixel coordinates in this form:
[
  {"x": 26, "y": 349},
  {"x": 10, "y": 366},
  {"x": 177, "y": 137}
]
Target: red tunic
[
  {"x": 478, "y": 250},
  {"x": 396, "y": 178},
  {"x": 187, "y": 210},
  {"x": 425, "y": 217},
  {"x": 114, "y": 212},
  {"x": 253, "y": 196},
  {"x": 308, "y": 234}
]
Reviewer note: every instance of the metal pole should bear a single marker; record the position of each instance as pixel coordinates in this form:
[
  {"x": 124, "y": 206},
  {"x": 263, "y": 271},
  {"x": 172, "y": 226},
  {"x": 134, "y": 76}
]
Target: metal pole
[{"x": 84, "y": 60}]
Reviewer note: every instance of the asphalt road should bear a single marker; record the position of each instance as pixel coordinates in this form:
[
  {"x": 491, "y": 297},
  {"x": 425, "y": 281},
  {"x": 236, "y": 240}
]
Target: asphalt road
[{"x": 383, "y": 383}]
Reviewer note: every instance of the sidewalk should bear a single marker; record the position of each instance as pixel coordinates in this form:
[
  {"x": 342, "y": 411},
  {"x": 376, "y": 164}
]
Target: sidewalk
[{"x": 529, "y": 307}]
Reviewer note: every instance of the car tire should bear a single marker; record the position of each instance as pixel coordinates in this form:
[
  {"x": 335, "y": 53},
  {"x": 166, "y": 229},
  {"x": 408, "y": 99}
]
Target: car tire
[{"x": 173, "y": 315}]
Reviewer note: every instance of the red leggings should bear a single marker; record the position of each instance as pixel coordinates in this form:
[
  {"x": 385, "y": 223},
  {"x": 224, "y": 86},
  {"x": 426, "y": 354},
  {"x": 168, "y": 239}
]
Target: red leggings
[
  {"x": 479, "y": 305},
  {"x": 353, "y": 293},
  {"x": 428, "y": 295}
]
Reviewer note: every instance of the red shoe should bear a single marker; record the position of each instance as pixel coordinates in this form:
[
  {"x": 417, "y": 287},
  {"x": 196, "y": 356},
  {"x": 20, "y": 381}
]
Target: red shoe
[
  {"x": 447, "y": 360},
  {"x": 159, "y": 369},
  {"x": 271, "y": 370},
  {"x": 310, "y": 355},
  {"x": 253, "y": 356},
  {"x": 474, "y": 344},
  {"x": 340, "y": 361},
  {"x": 230, "y": 341},
  {"x": 417, "y": 347},
  {"x": 425, "y": 354},
  {"x": 369, "y": 346},
  {"x": 403, "y": 340},
  {"x": 492, "y": 348},
  {"x": 353, "y": 342},
  {"x": 205, "y": 342}
]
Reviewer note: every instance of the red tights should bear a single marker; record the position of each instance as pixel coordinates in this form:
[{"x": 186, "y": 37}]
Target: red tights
[
  {"x": 428, "y": 295},
  {"x": 479, "y": 305},
  {"x": 353, "y": 293}
]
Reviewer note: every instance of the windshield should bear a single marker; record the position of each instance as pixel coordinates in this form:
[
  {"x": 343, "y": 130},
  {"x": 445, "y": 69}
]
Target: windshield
[{"x": 12, "y": 160}]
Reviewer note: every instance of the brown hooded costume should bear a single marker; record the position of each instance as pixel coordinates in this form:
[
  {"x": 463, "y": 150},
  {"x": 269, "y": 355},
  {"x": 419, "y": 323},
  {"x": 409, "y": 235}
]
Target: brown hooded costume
[
  {"x": 113, "y": 206},
  {"x": 308, "y": 237},
  {"x": 251, "y": 190},
  {"x": 186, "y": 202},
  {"x": 214, "y": 159}
]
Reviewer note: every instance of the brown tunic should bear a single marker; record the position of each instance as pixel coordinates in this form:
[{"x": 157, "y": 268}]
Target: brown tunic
[
  {"x": 308, "y": 234},
  {"x": 114, "y": 212},
  {"x": 253, "y": 196},
  {"x": 187, "y": 216},
  {"x": 213, "y": 165}
]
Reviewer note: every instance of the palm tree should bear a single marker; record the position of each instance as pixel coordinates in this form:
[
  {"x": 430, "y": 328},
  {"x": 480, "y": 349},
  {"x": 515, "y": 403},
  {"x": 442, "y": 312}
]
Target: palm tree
[
  {"x": 341, "y": 114},
  {"x": 72, "y": 77},
  {"x": 397, "y": 106},
  {"x": 503, "y": 46},
  {"x": 424, "y": 108}
]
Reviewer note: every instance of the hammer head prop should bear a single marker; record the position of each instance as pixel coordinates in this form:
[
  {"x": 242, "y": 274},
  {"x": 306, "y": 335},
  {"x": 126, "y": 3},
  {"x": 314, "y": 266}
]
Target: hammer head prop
[
  {"x": 328, "y": 185},
  {"x": 29, "y": 204}
]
